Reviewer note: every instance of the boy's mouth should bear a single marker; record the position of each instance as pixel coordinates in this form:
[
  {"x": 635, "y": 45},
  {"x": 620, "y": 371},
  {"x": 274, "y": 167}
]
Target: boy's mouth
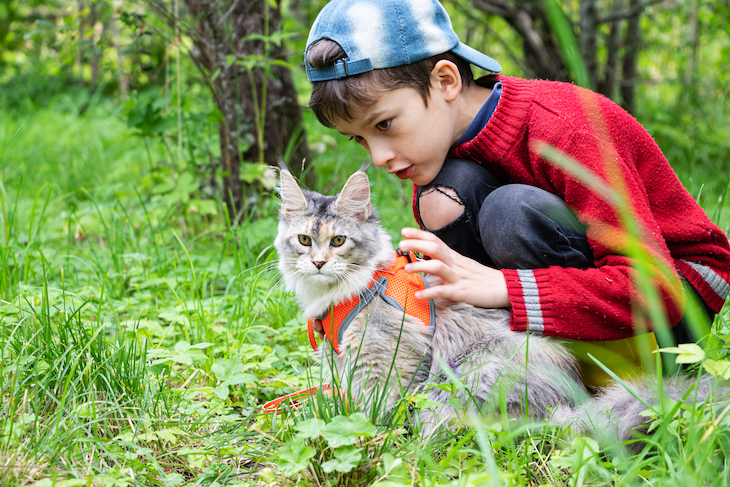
[{"x": 405, "y": 173}]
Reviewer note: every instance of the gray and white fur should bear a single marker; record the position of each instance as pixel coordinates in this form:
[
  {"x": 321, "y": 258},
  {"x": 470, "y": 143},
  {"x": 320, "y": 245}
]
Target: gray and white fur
[{"x": 386, "y": 354}]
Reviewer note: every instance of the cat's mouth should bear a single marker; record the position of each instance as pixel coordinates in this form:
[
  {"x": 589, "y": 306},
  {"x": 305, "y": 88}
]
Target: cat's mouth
[{"x": 321, "y": 276}]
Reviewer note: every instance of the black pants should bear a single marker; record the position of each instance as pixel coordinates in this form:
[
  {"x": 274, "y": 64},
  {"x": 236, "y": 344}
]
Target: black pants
[{"x": 515, "y": 226}]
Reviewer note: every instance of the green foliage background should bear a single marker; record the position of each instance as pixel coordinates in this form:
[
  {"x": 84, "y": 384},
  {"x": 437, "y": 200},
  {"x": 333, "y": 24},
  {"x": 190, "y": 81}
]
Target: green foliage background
[{"x": 141, "y": 331}]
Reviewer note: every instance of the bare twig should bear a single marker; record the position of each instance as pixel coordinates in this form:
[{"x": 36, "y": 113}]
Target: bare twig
[
  {"x": 492, "y": 35},
  {"x": 633, "y": 10},
  {"x": 495, "y": 7}
]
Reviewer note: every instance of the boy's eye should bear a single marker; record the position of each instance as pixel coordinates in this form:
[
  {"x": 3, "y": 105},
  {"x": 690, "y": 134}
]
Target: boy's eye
[
  {"x": 337, "y": 240},
  {"x": 305, "y": 240},
  {"x": 356, "y": 138},
  {"x": 384, "y": 124}
]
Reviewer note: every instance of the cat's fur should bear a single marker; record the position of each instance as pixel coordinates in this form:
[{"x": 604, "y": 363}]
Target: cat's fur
[{"x": 383, "y": 350}]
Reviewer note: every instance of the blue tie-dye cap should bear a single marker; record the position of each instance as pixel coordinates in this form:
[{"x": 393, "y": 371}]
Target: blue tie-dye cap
[{"x": 379, "y": 34}]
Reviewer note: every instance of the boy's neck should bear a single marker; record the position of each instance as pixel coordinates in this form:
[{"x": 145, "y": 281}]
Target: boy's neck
[{"x": 470, "y": 101}]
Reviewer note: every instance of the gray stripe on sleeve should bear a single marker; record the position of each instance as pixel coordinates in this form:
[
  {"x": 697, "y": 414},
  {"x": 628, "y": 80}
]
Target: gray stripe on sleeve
[
  {"x": 531, "y": 295},
  {"x": 712, "y": 278}
]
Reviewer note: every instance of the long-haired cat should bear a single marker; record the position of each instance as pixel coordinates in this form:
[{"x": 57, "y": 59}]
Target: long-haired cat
[{"x": 330, "y": 247}]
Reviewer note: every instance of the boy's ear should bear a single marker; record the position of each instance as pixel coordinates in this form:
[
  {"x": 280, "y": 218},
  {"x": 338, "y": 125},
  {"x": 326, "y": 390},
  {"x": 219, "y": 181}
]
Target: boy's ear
[
  {"x": 355, "y": 197},
  {"x": 292, "y": 198},
  {"x": 446, "y": 79}
]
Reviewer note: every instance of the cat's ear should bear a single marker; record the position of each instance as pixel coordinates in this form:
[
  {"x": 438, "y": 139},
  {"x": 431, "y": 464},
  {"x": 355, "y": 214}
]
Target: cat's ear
[
  {"x": 355, "y": 196},
  {"x": 292, "y": 198}
]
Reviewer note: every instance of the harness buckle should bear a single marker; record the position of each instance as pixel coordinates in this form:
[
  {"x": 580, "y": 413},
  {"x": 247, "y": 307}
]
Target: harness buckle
[{"x": 407, "y": 255}]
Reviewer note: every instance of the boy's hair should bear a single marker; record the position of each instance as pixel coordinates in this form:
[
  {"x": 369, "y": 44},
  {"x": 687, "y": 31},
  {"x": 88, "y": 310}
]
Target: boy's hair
[{"x": 332, "y": 100}]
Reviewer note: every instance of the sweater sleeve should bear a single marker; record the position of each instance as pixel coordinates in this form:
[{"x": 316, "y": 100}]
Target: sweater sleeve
[{"x": 597, "y": 303}]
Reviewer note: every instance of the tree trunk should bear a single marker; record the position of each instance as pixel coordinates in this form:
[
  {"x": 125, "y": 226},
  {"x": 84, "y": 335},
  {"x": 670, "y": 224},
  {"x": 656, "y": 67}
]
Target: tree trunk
[
  {"x": 114, "y": 34},
  {"x": 272, "y": 99},
  {"x": 80, "y": 6},
  {"x": 211, "y": 56},
  {"x": 95, "y": 39},
  {"x": 630, "y": 62},
  {"x": 694, "y": 40},
  {"x": 607, "y": 86},
  {"x": 587, "y": 38},
  {"x": 243, "y": 94}
]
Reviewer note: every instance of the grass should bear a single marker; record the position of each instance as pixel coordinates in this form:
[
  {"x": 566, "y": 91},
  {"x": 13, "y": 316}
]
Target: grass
[{"x": 140, "y": 334}]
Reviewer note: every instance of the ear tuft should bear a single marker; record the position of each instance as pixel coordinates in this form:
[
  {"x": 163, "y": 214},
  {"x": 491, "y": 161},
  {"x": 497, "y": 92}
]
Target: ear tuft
[
  {"x": 355, "y": 197},
  {"x": 292, "y": 198}
]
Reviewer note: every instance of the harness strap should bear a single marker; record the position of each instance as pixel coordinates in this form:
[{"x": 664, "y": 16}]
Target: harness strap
[
  {"x": 310, "y": 333},
  {"x": 366, "y": 297},
  {"x": 404, "y": 285},
  {"x": 378, "y": 287}
]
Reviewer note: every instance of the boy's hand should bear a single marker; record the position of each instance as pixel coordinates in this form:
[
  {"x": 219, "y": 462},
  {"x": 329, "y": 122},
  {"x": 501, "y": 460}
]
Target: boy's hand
[
  {"x": 465, "y": 280},
  {"x": 317, "y": 325}
]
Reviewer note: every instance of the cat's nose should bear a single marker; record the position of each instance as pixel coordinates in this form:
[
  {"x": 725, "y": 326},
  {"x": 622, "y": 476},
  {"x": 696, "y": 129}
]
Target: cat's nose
[{"x": 318, "y": 263}]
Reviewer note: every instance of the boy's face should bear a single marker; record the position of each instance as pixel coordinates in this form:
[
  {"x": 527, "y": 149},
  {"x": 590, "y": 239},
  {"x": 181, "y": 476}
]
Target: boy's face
[{"x": 403, "y": 135}]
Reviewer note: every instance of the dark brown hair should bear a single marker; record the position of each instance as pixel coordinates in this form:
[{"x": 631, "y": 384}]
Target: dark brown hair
[{"x": 332, "y": 100}]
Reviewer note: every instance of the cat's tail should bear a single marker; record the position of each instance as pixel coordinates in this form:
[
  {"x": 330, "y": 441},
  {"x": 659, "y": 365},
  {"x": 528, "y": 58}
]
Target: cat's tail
[{"x": 616, "y": 413}]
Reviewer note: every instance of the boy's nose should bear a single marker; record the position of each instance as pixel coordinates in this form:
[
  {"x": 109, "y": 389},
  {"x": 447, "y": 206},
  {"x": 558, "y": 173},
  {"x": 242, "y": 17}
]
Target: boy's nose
[{"x": 381, "y": 155}]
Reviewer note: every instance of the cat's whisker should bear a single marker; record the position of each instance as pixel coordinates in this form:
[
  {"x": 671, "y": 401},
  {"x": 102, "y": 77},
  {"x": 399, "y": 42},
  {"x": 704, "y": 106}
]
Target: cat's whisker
[
  {"x": 270, "y": 265},
  {"x": 275, "y": 286},
  {"x": 267, "y": 263},
  {"x": 264, "y": 270}
]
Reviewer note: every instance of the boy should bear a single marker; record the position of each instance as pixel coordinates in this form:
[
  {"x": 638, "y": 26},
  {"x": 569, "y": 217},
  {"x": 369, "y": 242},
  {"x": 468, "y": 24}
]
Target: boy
[{"x": 503, "y": 226}]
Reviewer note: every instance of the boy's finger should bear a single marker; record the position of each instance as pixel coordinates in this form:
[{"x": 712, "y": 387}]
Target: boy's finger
[
  {"x": 433, "y": 266},
  {"x": 416, "y": 233},
  {"x": 317, "y": 325},
  {"x": 431, "y": 249},
  {"x": 441, "y": 291}
]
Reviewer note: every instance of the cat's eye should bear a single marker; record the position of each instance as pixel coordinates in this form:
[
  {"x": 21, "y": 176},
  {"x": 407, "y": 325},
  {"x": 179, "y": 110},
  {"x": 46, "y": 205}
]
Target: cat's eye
[
  {"x": 305, "y": 240},
  {"x": 337, "y": 240}
]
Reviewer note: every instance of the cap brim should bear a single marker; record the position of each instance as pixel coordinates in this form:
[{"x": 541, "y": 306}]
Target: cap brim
[{"x": 477, "y": 58}]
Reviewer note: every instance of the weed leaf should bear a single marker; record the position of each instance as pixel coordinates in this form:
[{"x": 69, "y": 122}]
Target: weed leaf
[
  {"x": 295, "y": 457},
  {"x": 345, "y": 430},
  {"x": 345, "y": 460},
  {"x": 310, "y": 428}
]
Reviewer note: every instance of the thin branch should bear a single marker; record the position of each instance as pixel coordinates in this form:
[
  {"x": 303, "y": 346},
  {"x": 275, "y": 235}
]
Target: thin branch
[
  {"x": 492, "y": 35},
  {"x": 523, "y": 23},
  {"x": 495, "y": 7},
  {"x": 519, "y": 62},
  {"x": 632, "y": 11},
  {"x": 227, "y": 14}
]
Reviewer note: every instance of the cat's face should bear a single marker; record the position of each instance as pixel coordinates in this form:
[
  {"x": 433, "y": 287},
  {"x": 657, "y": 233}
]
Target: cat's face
[{"x": 328, "y": 241}]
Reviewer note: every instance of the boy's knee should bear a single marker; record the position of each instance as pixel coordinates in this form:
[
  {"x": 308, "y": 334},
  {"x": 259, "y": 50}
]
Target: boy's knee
[
  {"x": 439, "y": 206},
  {"x": 526, "y": 227},
  {"x": 460, "y": 187},
  {"x": 510, "y": 199},
  {"x": 512, "y": 208}
]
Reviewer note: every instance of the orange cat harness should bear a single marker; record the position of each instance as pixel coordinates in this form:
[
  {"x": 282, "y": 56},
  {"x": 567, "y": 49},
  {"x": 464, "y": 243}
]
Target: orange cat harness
[{"x": 395, "y": 286}]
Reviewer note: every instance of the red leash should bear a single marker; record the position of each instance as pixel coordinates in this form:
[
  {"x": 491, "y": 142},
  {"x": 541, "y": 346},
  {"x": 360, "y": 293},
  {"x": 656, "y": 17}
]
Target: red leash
[{"x": 296, "y": 399}]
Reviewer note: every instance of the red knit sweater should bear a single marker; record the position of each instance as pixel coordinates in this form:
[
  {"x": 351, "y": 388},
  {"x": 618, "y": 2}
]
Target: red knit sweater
[{"x": 595, "y": 303}]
